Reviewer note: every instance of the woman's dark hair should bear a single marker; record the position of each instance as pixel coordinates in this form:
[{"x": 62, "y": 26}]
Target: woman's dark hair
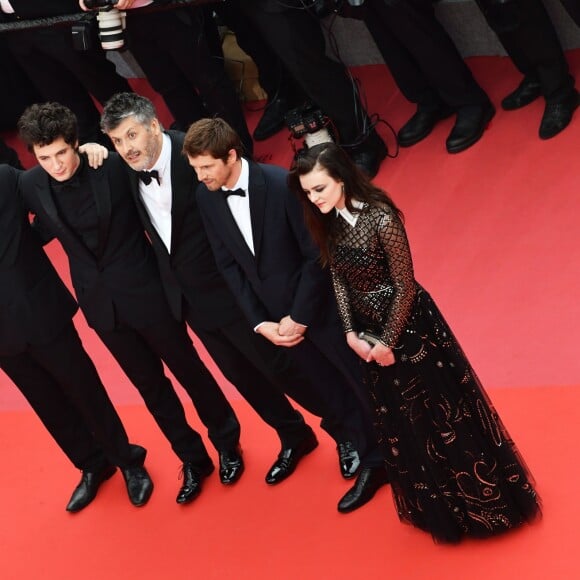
[{"x": 332, "y": 159}]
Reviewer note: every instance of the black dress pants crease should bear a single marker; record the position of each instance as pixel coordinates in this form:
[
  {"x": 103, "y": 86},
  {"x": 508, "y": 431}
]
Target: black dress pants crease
[
  {"x": 256, "y": 371},
  {"x": 140, "y": 353},
  {"x": 533, "y": 45},
  {"x": 171, "y": 48},
  {"x": 297, "y": 39},
  {"x": 62, "y": 385},
  {"x": 421, "y": 56}
]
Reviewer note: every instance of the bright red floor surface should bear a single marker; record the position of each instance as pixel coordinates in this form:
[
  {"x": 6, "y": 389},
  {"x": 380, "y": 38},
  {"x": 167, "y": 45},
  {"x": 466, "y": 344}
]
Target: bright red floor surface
[{"x": 495, "y": 240}]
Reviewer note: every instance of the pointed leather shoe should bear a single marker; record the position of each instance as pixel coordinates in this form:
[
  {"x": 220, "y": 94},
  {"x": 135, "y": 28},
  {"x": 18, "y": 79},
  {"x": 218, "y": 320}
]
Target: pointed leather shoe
[
  {"x": 289, "y": 458},
  {"x": 526, "y": 92},
  {"x": 192, "y": 475},
  {"x": 469, "y": 126},
  {"x": 272, "y": 120},
  {"x": 369, "y": 481},
  {"x": 421, "y": 124},
  {"x": 86, "y": 491},
  {"x": 368, "y": 154},
  {"x": 557, "y": 116},
  {"x": 138, "y": 483},
  {"x": 348, "y": 459},
  {"x": 231, "y": 465}
]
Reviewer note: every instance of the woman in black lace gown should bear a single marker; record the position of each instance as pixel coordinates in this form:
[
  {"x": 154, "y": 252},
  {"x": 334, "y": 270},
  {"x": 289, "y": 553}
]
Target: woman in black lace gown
[{"x": 454, "y": 470}]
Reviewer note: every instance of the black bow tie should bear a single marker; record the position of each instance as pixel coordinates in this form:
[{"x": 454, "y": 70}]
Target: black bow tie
[
  {"x": 239, "y": 191},
  {"x": 147, "y": 176}
]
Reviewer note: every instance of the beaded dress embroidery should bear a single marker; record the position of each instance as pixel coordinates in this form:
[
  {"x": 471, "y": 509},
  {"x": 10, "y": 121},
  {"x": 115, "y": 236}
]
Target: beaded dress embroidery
[{"x": 453, "y": 468}]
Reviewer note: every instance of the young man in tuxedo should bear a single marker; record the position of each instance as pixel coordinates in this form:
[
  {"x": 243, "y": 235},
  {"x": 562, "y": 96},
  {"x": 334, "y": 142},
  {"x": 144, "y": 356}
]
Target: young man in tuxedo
[
  {"x": 118, "y": 288},
  {"x": 41, "y": 352},
  {"x": 264, "y": 251},
  {"x": 163, "y": 186}
]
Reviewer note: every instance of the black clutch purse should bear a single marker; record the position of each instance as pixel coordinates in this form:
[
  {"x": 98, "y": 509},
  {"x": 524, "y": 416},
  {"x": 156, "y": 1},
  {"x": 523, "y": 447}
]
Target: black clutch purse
[{"x": 369, "y": 337}]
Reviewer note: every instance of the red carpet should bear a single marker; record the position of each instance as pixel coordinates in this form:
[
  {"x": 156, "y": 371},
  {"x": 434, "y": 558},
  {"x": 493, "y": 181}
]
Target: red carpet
[{"x": 495, "y": 241}]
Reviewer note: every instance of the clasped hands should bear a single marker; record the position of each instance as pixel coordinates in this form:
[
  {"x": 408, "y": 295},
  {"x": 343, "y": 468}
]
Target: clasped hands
[
  {"x": 284, "y": 333},
  {"x": 380, "y": 353}
]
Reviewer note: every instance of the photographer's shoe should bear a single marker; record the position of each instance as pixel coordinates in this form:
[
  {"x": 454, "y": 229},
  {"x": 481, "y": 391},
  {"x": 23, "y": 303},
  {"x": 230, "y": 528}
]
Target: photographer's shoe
[
  {"x": 368, "y": 154},
  {"x": 525, "y": 93},
  {"x": 557, "y": 116},
  {"x": 272, "y": 120}
]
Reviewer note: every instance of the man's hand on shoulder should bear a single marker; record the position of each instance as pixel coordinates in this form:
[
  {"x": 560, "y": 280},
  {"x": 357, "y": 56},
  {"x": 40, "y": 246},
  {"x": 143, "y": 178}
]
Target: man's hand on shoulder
[{"x": 96, "y": 154}]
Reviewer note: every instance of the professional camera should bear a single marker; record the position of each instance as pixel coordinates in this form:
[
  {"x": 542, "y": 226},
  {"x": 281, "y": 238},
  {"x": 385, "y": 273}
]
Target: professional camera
[
  {"x": 309, "y": 122},
  {"x": 111, "y": 23}
]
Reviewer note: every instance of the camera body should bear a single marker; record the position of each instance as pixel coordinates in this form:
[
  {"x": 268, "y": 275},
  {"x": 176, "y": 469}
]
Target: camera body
[{"x": 309, "y": 122}]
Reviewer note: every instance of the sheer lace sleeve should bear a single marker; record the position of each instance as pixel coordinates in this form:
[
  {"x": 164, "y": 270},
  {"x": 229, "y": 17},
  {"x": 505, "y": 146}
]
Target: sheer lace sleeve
[
  {"x": 342, "y": 300},
  {"x": 393, "y": 240}
]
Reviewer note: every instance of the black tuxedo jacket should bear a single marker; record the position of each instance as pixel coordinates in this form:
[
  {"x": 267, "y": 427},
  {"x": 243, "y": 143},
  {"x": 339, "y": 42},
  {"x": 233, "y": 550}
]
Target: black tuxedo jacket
[
  {"x": 190, "y": 270},
  {"x": 34, "y": 303},
  {"x": 284, "y": 276},
  {"x": 122, "y": 280}
]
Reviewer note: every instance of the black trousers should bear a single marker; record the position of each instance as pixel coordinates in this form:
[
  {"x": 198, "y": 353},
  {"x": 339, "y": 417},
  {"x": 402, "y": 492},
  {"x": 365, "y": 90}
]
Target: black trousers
[
  {"x": 256, "y": 371},
  {"x": 297, "y": 39},
  {"x": 141, "y": 353},
  {"x": 335, "y": 373},
  {"x": 273, "y": 76},
  {"x": 525, "y": 30},
  {"x": 65, "y": 75},
  {"x": 573, "y": 9},
  {"x": 61, "y": 384},
  {"x": 172, "y": 50},
  {"x": 421, "y": 56}
]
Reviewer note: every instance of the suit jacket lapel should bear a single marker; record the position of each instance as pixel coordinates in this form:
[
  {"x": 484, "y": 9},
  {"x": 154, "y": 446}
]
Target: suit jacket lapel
[
  {"x": 44, "y": 195},
  {"x": 181, "y": 187},
  {"x": 257, "y": 193}
]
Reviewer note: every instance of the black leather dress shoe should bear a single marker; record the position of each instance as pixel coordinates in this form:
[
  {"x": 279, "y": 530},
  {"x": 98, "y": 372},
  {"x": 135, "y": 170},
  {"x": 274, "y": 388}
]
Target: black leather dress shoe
[
  {"x": 557, "y": 116},
  {"x": 138, "y": 483},
  {"x": 272, "y": 119},
  {"x": 288, "y": 460},
  {"x": 526, "y": 92},
  {"x": 421, "y": 124},
  {"x": 231, "y": 465},
  {"x": 471, "y": 122},
  {"x": 368, "y": 154},
  {"x": 348, "y": 459},
  {"x": 369, "y": 481},
  {"x": 86, "y": 491},
  {"x": 193, "y": 475}
]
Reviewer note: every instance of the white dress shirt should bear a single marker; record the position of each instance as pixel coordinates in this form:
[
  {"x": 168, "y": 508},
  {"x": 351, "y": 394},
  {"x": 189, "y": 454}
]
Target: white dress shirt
[
  {"x": 240, "y": 206},
  {"x": 157, "y": 197}
]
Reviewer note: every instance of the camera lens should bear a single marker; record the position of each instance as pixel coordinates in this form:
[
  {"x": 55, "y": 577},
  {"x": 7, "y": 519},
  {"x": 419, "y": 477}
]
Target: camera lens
[{"x": 111, "y": 25}]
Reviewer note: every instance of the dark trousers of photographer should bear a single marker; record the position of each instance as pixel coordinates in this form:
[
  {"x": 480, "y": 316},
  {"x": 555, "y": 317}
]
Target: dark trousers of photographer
[
  {"x": 61, "y": 73},
  {"x": 171, "y": 48}
]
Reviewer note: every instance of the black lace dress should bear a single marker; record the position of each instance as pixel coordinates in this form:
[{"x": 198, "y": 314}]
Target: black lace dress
[{"x": 454, "y": 470}]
